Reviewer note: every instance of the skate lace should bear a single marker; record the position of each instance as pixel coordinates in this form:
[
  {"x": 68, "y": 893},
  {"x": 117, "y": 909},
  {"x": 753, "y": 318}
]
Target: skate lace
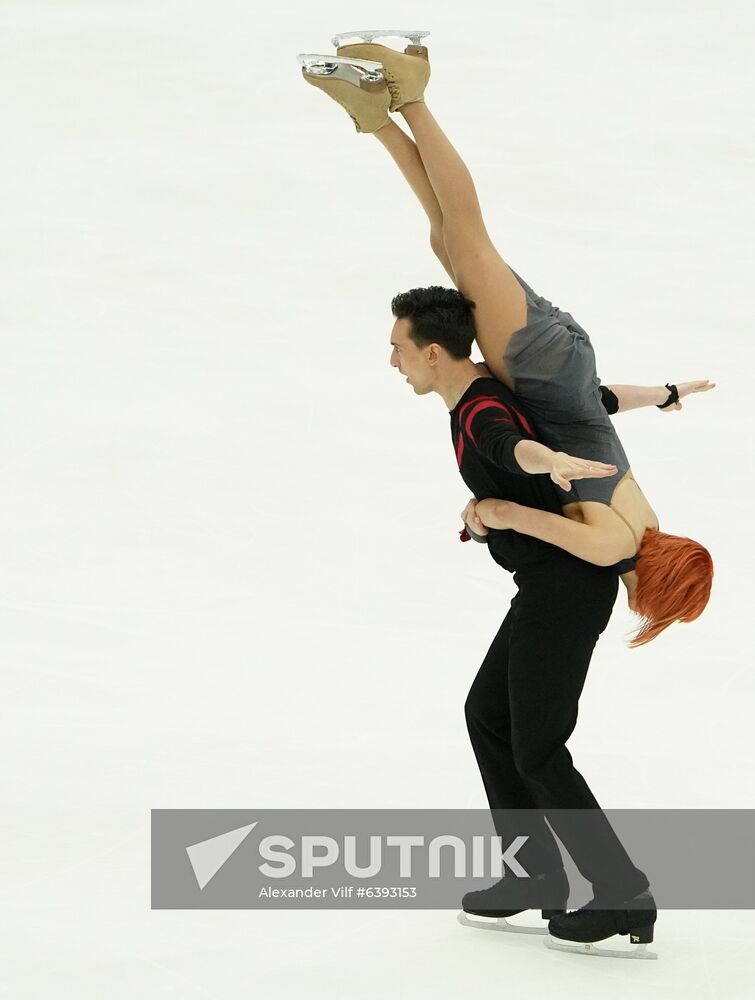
[{"x": 392, "y": 87}]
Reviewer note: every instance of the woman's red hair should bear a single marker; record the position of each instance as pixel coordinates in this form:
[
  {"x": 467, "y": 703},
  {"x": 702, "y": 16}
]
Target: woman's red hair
[{"x": 674, "y": 577}]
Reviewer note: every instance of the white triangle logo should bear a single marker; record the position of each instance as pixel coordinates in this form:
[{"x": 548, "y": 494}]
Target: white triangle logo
[{"x": 208, "y": 856}]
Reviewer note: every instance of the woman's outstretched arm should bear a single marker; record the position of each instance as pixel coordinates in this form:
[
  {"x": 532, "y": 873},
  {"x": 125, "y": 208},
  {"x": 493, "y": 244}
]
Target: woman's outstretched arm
[
  {"x": 603, "y": 546},
  {"x": 633, "y": 397}
]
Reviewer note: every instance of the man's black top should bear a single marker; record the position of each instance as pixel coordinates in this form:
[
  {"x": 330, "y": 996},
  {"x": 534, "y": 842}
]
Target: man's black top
[{"x": 486, "y": 425}]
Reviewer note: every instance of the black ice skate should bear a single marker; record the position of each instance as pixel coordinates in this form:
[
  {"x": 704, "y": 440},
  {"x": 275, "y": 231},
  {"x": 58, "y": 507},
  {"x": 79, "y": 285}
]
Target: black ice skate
[
  {"x": 488, "y": 909},
  {"x": 579, "y": 930}
]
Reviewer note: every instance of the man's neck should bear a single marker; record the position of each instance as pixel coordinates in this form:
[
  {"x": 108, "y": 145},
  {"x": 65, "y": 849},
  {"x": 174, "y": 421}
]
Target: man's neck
[{"x": 459, "y": 380}]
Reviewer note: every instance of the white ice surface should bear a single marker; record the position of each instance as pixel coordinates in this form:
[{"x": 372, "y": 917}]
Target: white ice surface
[{"x": 231, "y": 574}]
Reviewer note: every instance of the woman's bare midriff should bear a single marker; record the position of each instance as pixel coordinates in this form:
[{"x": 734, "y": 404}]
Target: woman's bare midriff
[{"x": 629, "y": 500}]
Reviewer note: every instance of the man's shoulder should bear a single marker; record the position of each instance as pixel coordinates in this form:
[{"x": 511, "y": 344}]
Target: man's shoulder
[
  {"x": 492, "y": 390},
  {"x": 490, "y": 386},
  {"x": 498, "y": 396}
]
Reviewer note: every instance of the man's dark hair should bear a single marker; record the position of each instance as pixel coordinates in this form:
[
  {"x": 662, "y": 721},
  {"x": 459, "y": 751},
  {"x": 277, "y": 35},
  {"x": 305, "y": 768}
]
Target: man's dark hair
[{"x": 438, "y": 316}]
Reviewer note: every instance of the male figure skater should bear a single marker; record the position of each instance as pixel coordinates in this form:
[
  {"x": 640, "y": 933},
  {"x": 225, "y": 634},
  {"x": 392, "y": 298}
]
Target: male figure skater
[{"x": 522, "y": 706}]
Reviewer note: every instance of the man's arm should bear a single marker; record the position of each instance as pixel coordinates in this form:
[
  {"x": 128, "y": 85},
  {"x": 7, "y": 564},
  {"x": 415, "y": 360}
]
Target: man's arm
[{"x": 492, "y": 430}]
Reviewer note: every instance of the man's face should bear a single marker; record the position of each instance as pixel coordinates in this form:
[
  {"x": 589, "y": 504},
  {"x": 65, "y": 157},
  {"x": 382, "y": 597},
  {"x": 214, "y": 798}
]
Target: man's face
[{"x": 412, "y": 361}]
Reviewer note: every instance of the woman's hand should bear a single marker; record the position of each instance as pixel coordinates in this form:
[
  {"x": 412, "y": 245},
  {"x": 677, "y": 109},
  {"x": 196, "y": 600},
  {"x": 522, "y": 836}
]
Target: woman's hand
[
  {"x": 565, "y": 467},
  {"x": 686, "y": 388},
  {"x": 471, "y": 520}
]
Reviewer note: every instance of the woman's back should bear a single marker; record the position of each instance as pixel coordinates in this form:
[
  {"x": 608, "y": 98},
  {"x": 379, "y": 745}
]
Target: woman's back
[
  {"x": 550, "y": 365},
  {"x": 626, "y": 518}
]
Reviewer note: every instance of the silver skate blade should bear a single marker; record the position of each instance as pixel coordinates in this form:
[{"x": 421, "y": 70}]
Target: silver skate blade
[
  {"x": 496, "y": 924},
  {"x": 370, "y": 36},
  {"x": 341, "y": 68},
  {"x": 585, "y": 948}
]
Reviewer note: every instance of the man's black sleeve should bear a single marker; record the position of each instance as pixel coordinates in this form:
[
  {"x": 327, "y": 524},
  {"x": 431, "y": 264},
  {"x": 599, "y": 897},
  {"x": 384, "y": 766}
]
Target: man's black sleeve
[
  {"x": 495, "y": 435},
  {"x": 610, "y": 399}
]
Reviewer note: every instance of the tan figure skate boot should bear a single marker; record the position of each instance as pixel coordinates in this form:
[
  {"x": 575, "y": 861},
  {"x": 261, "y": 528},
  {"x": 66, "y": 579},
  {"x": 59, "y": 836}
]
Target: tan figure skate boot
[
  {"x": 359, "y": 86},
  {"x": 406, "y": 72}
]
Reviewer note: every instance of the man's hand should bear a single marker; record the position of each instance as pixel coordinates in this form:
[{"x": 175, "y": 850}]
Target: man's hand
[
  {"x": 471, "y": 520},
  {"x": 686, "y": 388},
  {"x": 565, "y": 467}
]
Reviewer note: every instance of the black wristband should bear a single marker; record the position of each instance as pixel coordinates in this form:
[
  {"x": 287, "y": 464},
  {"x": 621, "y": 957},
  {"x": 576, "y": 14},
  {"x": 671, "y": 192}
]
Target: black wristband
[{"x": 673, "y": 398}]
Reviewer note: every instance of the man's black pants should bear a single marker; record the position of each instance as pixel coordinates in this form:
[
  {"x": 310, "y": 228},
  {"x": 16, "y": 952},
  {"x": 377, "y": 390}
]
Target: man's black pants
[{"x": 521, "y": 710}]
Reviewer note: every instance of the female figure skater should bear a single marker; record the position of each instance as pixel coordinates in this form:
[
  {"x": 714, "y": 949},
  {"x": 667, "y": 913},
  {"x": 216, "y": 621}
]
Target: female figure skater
[{"x": 540, "y": 352}]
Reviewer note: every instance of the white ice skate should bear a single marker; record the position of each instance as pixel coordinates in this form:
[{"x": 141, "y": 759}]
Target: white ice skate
[
  {"x": 360, "y": 72},
  {"x": 413, "y": 37}
]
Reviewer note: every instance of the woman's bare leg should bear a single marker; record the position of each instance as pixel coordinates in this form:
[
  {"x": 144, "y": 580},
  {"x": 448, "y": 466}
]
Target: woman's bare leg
[
  {"x": 481, "y": 273},
  {"x": 405, "y": 153}
]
